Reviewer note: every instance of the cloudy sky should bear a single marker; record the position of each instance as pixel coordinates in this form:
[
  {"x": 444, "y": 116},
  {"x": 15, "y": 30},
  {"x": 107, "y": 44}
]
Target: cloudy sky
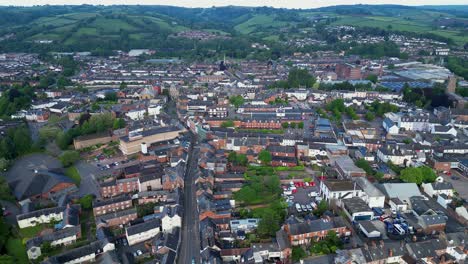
[{"x": 209, "y": 3}]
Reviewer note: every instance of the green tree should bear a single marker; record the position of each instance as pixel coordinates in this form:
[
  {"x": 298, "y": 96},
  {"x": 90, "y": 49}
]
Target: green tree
[
  {"x": 300, "y": 125},
  {"x": 370, "y": 116},
  {"x": 119, "y": 123},
  {"x": 321, "y": 208},
  {"x": 372, "y": 77},
  {"x": 265, "y": 156},
  {"x": 86, "y": 202},
  {"x": 411, "y": 174},
  {"x": 111, "y": 96},
  {"x": 298, "y": 253},
  {"x": 227, "y": 123},
  {"x": 269, "y": 223},
  {"x": 69, "y": 158},
  {"x": 46, "y": 248},
  {"x": 236, "y": 100}
]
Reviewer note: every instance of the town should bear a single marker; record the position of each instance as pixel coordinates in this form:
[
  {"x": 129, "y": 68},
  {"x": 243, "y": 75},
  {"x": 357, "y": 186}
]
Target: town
[{"x": 320, "y": 156}]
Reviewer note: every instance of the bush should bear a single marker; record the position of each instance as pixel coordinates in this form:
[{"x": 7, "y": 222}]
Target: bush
[{"x": 68, "y": 158}]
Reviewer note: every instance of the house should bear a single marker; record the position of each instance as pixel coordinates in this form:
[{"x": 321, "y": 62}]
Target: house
[
  {"x": 266, "y": 252},
  {"x": 41, "y": 184},
  {"x": 438, "y": 187},
  {"x": 426, "y": 251},
  {"x": 314, "y": 230},
  {"x": 247, "y": 225},
  {"x": 373, "y": 196},
  {"x": 166, "y": 243},
  {"x": 150, "y": 181},
  {"x": 112, "y": 205},
  {"x": 71, "y": 217},
  {"x": 339, "y": 189},
  {"x": 369, "y": 228},
  {"x": 444, "y": 130},
  {"x": 402, "y": 191},
  {"x": 42, "y": 216},
  {"x": 117, "y": 218},
  {"x": 347, "y": 169},
  {"x": 61, "y": 237},
  {"x": 384, "y": 252},
  {"x": 357, "y": 210},
  {"x": 84, "y": 254},
  {"x": 131, "y": 144},
  {"x": 118, "y": 187},
  {"x": 429, "y": 214},
  {"x": 456, "y": 245},
  {"x": 237, "y": 255},
  {"x": 171, "y": 217},
  {"x": 390, "y": 126},
  {"x": 142, "y": 232},
  {"x": 397, "y": 205}
]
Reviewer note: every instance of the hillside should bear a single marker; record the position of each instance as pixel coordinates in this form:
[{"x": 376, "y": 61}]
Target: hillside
[{"x": 124, "y": 27}]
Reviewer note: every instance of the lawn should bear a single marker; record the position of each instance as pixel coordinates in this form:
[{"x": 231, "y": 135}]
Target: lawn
[
  {"x": 33, "y": 231},
  {"x": 72, "y": 172},
  {"x": 15, "y": 248}
]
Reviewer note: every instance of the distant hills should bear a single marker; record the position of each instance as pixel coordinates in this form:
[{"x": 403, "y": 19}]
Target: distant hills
[{"x": 89, "y": 27}]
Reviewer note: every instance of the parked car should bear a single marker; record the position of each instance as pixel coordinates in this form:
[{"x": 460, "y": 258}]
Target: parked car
[{"x": 309, "y": 207}]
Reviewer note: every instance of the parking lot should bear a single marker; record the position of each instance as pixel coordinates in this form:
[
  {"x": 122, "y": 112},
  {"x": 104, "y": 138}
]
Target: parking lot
[{"x": 299, "y": 196}]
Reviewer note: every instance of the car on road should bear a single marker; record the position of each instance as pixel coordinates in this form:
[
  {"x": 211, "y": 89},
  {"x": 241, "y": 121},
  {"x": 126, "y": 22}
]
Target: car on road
[{"x": 455, "y": 178}]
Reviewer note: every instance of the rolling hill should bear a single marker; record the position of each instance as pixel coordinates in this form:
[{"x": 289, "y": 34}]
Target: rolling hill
[{"x": 88, "y": 27}]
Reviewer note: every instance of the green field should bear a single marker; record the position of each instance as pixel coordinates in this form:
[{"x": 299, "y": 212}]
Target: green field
[{"x": 257, "y": 22}]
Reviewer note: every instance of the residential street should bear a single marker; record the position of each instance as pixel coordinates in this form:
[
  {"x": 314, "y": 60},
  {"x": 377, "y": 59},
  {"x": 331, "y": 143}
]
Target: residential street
[{"x": 190, "y": 246}]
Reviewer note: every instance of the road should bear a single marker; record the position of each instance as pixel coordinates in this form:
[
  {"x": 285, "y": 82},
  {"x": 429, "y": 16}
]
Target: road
[{"x": 190, "y": 246}]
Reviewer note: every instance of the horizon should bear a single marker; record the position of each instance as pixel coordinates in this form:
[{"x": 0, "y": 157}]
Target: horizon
[{"x": 292, "y": 4}]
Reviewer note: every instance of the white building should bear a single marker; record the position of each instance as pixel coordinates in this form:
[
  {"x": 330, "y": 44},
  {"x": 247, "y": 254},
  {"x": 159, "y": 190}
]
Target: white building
[
  {"x": 137, "y": 114},
  {"x": 142, "y": 232},
  {"x": 43, "y": 216},
  {"x": 438, "y": 187}
]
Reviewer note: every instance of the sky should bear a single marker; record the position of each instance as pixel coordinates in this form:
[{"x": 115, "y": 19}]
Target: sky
[{"x": 210, "y": 3}]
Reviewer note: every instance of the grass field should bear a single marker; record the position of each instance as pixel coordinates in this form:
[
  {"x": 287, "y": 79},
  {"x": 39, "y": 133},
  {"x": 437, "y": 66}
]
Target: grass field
[
  {"x": 33, "y": 231},
  {"x": 259, "y": 21},
  {"x": 72, "y": 172}
]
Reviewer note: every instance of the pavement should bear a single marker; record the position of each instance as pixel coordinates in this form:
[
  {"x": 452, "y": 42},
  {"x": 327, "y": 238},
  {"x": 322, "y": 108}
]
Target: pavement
[{"x": 190, "y": 246}]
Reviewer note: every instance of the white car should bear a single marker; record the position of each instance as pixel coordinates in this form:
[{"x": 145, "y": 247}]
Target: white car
[{"x": 309, "y": 207}]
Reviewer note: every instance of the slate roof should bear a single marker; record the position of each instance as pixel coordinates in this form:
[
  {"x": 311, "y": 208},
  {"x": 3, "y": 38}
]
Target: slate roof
[
  {"x": 316, "y": 225},
  {"x": 145, "y": 226},
  {"x": 117, "y": 199},
  {"x": 37, "y": 183},
  {"x": 76, "y": 253},
  {"x": 60, "y": 234}
]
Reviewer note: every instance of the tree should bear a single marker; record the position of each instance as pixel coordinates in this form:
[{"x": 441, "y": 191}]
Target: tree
[
  {"x": 321, "y": 208},
  {"x": 123, "y": 86},
  {"x": 372, "y": 77},
  {"x": 411, "y": 174},
  {"x": 46, "y": 248},
  {"x": 86, "y": 202},
  {"x": 69, "y": 158},
  {"x": 298, "y": 253},
  {"x": 118, "y": 123},
  {"x": 110, "y": 96},
  {"x": 269, "y": 223},
  {"x": 370, "y": 116},
  {"x": 285, "y": 125},
  {"x": 227, "y": 123},
  {"x": 6, "y": 259},
  {"x": 236, "y": 100},
  {"x": 265, "y": 156},
  {"x": 300, "y": 125}
]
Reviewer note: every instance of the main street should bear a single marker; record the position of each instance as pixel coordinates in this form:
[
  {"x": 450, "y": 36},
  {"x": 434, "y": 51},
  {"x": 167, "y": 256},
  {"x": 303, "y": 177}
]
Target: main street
[{"x": 190, "y": 245}]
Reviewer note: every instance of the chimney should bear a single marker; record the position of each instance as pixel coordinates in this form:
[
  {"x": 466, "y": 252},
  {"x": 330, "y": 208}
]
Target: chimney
[
  {"x": 382, "y": 243},
  {"x": 390, "y": 252}
]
